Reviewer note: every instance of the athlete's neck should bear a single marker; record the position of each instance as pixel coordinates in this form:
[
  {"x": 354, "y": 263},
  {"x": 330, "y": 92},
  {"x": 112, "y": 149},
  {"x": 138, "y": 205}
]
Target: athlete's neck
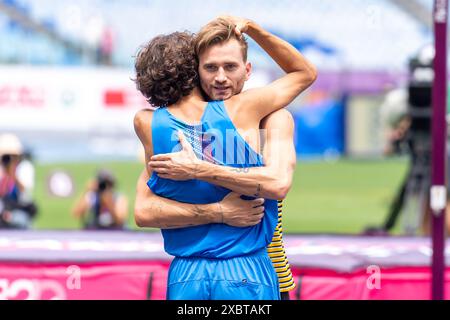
[
  {"x": 194, "y": 97},
  {"x": 190, "y": 106}
]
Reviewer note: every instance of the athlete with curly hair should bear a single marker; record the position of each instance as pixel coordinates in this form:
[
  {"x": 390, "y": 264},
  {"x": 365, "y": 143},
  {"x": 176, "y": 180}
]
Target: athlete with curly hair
[{"x": 213, "y": 259}]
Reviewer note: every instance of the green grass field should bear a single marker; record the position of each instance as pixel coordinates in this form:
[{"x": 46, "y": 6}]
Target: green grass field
[{"x": 326, "y": 197}]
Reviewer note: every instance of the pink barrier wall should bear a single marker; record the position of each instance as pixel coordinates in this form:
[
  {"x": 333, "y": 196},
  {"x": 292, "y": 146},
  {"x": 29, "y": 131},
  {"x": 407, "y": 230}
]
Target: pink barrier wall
[
  {"x": 116, "y": 280},
  {"x": 130, "y": 280},
  {"x": 400, "y": 283},
  {"x": 65, "y": 264}
]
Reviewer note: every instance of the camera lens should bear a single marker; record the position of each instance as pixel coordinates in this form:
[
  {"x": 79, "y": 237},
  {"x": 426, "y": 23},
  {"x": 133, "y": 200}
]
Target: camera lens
[
  {"x": 6, "y": 159},
  {"x": 102, "y": 186}
]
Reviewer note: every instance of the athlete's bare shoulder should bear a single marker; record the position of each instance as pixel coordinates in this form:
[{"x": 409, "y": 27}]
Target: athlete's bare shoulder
[
  {"x": 279, "y": 119},
  {"x": 142, "y": 127},
  {"x": 241, "y": 117},
  {"x": 143, "y": 119}
]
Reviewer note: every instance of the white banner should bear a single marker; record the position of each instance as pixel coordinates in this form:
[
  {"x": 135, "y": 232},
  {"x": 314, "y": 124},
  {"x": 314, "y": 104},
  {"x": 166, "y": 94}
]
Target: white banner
[{"x": 67, "y": 99}]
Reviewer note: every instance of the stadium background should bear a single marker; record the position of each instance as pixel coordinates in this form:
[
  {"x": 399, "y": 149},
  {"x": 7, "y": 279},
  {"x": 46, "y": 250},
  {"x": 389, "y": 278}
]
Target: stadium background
[{"x": 65, "y": 90}]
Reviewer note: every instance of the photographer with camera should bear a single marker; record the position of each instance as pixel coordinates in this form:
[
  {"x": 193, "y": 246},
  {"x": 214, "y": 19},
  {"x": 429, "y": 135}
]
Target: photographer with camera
[
  {"x": 100, "y": 206},
  {"x": 17, "y": 209}
]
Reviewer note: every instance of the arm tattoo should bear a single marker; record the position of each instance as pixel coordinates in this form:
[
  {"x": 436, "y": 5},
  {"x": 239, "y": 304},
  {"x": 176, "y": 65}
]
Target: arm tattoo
[
  {"x": 258, "y": 190},
  {"x": 198, "y": 210},
  {"x": 158, "y": 207}
]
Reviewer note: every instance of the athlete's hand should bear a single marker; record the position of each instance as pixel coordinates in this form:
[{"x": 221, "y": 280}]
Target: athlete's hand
[
  {"x": 182, "y": 165},
  {"x": 237, "y": 212},
  {"x": 240, "y": 24}
]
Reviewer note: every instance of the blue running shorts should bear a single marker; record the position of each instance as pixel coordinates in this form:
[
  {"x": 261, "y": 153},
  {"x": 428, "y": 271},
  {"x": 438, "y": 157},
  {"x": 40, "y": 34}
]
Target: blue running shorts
[{"x": 250, "y": 277}]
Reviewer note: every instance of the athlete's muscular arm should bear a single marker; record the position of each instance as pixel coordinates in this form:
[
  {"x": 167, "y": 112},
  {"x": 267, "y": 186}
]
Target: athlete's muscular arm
[
  {"x": 158, "y": 212},
  {"x": 300, "y": 73},
  {"x": 153, "y": 211},
  {"x": 272, "y": 181}
]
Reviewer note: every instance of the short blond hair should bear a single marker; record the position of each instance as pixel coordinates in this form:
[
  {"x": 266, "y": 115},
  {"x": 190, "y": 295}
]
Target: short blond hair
[{"x": 215, "y": 32}]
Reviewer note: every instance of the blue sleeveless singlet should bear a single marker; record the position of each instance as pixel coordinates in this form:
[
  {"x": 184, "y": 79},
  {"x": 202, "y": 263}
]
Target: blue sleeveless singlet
[{"x": 217, "y": 140}]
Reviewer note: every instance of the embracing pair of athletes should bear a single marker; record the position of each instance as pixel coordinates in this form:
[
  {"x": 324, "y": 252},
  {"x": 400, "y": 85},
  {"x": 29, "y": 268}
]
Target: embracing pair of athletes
[{"x": 223, "y": 224}]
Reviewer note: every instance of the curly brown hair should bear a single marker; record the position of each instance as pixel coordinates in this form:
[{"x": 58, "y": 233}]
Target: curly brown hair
[{"x": 166, "y": 68}]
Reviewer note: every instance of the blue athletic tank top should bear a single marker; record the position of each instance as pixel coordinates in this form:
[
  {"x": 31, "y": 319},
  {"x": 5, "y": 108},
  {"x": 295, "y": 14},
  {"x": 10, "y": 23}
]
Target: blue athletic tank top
[{"x": 214, "y": 139}]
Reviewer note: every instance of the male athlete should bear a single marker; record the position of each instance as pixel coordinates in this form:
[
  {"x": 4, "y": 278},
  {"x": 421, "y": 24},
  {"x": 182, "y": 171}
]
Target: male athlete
[{"x": 219, "y": 66}]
